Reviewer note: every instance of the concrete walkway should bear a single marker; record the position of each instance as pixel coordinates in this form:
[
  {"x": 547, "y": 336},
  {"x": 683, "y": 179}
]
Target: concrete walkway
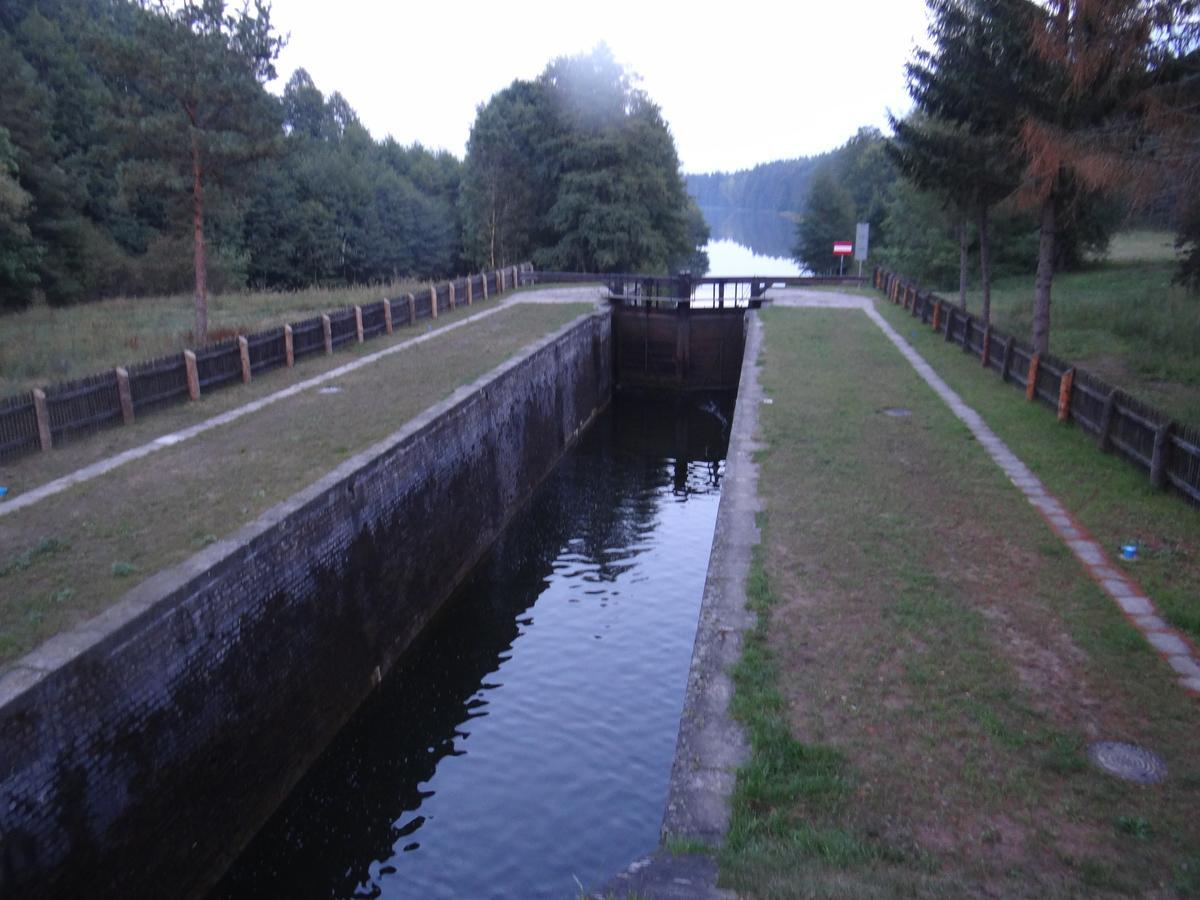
[
  {"x": 1124, "y": 591},
  {"x": 95, "y": 470}
]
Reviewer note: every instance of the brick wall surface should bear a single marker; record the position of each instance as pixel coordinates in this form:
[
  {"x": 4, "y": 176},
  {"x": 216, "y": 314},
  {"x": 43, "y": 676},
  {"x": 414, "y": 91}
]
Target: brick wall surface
[{"x": 140, "y": 752}]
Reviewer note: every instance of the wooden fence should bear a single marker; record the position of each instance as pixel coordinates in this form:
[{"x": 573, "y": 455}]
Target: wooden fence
[
  {"x": 1168, "y": 451},
  {"x": 49, "y": 417}
]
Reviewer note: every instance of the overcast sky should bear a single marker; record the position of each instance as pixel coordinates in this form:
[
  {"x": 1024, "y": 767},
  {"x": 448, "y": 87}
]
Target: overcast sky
[{"x": 740, "y": 82}]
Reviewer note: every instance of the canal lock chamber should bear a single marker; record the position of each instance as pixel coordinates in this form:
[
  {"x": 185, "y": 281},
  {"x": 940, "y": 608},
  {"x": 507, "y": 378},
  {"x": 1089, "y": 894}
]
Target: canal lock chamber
[{"x": 214, "y": 696}]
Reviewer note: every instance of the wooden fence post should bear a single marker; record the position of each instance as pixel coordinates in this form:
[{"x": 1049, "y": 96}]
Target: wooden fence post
[
  {"x": 327, "y": 327},
  {"x": 916, "y": 302},
  {"x": 937, "y": 314},
  {"x": 1103, "y": 441},
  {"x": 358, "y": 328},
  {"x": 387, "y": 315},
  {"x": 433, "y": 301},
  {"x": 949, "y": 324},
  {"x": 193, "y": 375},
  {"x": 244, "y": 353},
  {"x": 1158, "y": 459},
  {"x": 987, "y": 345},
  {"x": 412, "y": 309},
  {"x": 124, "y": 395},
  {"x": 289, "y": 346},
  {"x": 485, "y": 291},
  {"x": 1031, "y": 376},
  {"x": 450, "y": 287},
  {"x": 516, "y": 278},
  {"x": 1064, "y": 394},
  {"x": 470, "y": 290},
  {"x": 42, "y": 413},
  {"x": 500, "y": 282},
  {"x": 1006, "y": 364}
]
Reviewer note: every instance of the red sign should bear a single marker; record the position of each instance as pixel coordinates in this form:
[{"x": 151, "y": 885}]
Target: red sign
[{"x": 842, "y": 248}]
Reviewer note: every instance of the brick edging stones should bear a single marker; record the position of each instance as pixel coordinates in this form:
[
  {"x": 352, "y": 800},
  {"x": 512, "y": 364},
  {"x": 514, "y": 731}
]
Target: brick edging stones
[
  {"x": 141, "y": 750},
  {"x": 710, "y": 745}
]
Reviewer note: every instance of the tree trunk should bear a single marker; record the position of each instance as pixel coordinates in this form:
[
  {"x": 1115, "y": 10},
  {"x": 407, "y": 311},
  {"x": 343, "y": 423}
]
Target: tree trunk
[
  {"x": 962, "y": 262},
  {"x": 1045, "y": 276},
  {"x": 985, "y": 264},
  {"x": 201, "y": 263}
]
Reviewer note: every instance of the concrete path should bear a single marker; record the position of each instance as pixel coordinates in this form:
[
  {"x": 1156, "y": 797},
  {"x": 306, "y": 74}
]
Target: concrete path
[
  {"x": 95, "y": 470},
  {"x": 1175, "y": 648}
]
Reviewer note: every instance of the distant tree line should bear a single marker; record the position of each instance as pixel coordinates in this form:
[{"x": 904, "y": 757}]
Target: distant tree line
[
  {"x": 779, "y": 186},
  {"x": 141, "y": 153}
]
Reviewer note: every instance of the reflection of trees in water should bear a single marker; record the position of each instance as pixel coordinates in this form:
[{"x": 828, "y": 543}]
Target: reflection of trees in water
[
  {"x": 766, "y": 232},
  {"x": 360, "y": 802}
]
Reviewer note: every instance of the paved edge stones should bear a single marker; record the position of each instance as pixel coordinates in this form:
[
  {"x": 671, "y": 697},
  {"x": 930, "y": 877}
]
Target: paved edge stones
[
  {"x": 710, "y": 745},
  {"x": 1175, "y": 648}
]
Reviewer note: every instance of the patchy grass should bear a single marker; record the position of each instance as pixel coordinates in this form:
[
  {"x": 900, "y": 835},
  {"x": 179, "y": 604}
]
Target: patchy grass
[
  {"x": 45, "y": 344},
  {"x": 1122, "y": 319},
  {"x": 927, "y": 669},
  {"x": 679, "y": 846},
  {"x": 72, "y": 554},
  {"x": 1111, "y": 498}
]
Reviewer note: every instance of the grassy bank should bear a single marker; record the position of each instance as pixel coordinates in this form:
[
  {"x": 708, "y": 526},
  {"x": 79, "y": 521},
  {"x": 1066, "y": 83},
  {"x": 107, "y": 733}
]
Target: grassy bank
[
  {"x": 1120, "y": 318},
  {"x": 1111, "y": 498},
  {"x": 930, "y": 662},
  {"x": 67, "y": 557},
  {"x": 46, "y": 344}
]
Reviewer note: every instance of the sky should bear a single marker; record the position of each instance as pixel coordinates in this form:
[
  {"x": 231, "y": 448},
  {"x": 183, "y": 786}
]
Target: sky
[{"x": 739, "y": 82}]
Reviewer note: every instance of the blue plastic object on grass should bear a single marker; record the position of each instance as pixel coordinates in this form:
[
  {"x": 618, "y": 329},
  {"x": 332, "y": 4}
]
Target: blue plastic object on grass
[{"x": 1129, "y": 551}]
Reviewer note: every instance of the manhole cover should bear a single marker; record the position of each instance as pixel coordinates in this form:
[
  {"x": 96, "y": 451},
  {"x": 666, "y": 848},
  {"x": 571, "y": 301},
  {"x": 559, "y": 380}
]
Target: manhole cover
[
  {"x": 1128, "y": 761},
  {"x": 897, "y": 412},
  {"x": 331, "y": 389}
]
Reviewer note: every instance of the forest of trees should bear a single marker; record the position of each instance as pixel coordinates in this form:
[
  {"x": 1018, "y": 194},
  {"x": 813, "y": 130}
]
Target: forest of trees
[
  {"x": 141, "y": 153},
  {"x": 578, "y": 171}
]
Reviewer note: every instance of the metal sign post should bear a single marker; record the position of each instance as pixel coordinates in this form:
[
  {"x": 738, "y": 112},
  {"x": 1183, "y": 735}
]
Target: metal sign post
[{"x": 842, "y": 249}]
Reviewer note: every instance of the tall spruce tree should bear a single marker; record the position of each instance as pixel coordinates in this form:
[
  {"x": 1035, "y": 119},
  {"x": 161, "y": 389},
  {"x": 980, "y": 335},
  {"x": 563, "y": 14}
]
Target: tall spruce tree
[{"x": 963, "y": 141}]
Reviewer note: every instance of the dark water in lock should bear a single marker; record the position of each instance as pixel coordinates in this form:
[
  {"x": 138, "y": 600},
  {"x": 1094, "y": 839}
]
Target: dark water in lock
[{"x": 523, "y": 746}]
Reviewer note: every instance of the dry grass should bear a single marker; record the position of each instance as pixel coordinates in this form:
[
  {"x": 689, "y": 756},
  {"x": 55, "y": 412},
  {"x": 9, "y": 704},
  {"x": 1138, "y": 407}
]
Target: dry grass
[
  {"x": 938, "y": 659},
  {"x": 66, "y": 558},
  {"x": 45, "y": 344}
]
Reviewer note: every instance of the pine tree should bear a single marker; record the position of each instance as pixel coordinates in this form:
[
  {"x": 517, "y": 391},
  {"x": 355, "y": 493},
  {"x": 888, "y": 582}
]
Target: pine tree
[{"x": 195, "y": 76}]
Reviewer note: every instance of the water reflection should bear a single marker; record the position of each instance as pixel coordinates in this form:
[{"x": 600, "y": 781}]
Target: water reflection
[
  {"x": 527, "y": 739},
  {"x": 765, "y": 232}
]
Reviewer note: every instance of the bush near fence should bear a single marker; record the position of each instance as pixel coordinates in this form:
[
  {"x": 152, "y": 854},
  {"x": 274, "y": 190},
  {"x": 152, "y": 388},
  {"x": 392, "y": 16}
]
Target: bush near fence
[
  {"x": 1168, "y": 451},
  {"x": 54, "y": 415}
]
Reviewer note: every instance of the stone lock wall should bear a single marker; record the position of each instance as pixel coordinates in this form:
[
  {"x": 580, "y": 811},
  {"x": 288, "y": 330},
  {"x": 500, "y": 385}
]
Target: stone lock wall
[{"x": 139, "y": 753}]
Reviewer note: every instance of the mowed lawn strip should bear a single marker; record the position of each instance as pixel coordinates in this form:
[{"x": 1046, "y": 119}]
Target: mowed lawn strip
[
  {"x": 64, "y": 559},
  {"x": 27, "y": 472},
  {"x": 1111, "y": 498},
  {"x": 931, "y": 662}
]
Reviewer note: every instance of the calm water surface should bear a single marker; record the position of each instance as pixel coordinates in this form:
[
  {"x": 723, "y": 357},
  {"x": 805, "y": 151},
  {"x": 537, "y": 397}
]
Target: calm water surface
[{"x": 526, "y": 742}]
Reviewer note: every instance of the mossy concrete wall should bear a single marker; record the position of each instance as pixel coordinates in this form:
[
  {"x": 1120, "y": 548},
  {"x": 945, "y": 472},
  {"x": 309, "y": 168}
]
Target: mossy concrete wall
[{"x": 141, "y": 751}]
